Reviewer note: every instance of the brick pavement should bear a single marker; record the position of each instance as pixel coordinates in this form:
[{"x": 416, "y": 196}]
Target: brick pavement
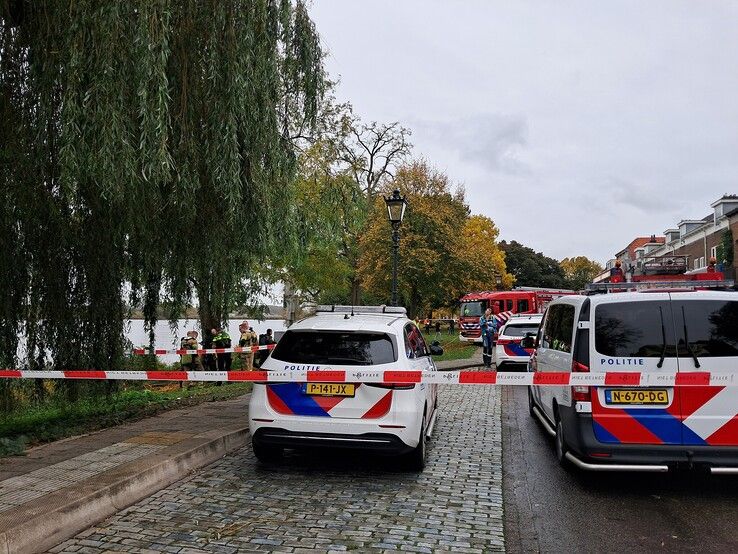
[{"x": 313, "y": 502}]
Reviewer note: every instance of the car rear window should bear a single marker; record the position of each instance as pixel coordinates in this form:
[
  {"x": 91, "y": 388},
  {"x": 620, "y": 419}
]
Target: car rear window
[
  {"x": 520, "y": 330},
  {"x": 335, "y": 347},
  {"x": 634, "y": 329},
  {"x": 712, "y": 327}
]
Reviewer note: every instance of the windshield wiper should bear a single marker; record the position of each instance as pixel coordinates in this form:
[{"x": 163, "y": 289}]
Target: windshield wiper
[
  {"x": 686, "y": 339},
  {"x": 663, "y": 338}
]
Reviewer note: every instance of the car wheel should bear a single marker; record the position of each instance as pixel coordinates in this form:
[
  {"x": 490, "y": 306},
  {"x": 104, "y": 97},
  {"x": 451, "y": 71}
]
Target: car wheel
[
  {"x": 416, "y": 459},
  {"x": 531, "y": 403},
  {"x": 266, "y": 454},
  {"x": 560, "y": 445}
]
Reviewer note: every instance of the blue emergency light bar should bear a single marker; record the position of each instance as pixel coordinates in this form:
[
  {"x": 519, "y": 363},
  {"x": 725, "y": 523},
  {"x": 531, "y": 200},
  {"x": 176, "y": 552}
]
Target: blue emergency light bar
[{"x": 333, "y": 308}]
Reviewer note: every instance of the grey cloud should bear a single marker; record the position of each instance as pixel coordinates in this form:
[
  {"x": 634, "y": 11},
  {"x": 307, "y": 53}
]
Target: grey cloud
[
  {"x": 645, "y": 198},
  {"x": 492, "y": 141}
]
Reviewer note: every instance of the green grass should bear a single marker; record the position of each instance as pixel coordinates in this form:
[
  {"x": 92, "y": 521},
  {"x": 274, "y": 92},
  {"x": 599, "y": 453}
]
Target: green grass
[
  {"x": 453, "y": 349},
  {"x": 47, "y": 423}
]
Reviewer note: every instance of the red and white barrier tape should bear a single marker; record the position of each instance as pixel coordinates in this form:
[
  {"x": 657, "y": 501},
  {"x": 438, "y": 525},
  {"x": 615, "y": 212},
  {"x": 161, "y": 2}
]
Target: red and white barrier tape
[
  {"x": 610, "y": 379},
  {"x": 201, "y": 351}
]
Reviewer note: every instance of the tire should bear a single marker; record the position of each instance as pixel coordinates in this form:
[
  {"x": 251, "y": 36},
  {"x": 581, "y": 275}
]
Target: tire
[
  {"x": 560, "y": 445},
  {"x": 266, "y": 454},
  {"x": 531, "y": 404},
  {"x": 417, "y": 457}
]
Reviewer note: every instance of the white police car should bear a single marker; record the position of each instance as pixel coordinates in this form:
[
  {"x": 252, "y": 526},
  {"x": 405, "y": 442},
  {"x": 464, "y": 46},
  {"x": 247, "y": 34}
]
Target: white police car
[
  {"x": 388, "y": 419},
  {"x": 508, "y": 350}
]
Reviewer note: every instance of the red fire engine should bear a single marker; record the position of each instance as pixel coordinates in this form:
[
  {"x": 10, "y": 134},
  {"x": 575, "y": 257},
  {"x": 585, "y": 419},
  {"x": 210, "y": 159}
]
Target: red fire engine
[
  {"x": 661, "y": 269},
  {"x": 504, "y": 303}
]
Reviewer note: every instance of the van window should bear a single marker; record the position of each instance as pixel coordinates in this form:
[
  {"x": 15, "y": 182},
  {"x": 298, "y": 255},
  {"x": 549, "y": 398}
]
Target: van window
[
  {"x": 559, "y": 328},
  {"x": 712, "y": 327},
  {"x": 509, "y": 305},
  {"x": 634, "y": 329},
  {"x": 523, "y": 306},
  {"x": 335, "y": 347}
]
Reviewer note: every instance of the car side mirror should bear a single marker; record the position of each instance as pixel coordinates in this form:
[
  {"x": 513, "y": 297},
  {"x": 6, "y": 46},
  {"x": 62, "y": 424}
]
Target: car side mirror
[
  {"x": 436, "y": 349},
  {"x": 529, "y": 341}
]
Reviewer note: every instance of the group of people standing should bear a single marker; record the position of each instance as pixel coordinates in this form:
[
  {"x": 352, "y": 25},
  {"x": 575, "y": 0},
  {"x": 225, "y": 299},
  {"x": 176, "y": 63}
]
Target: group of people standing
[
  {"x": 219, "y": 338},
  {"x": 429, "y": 324}
]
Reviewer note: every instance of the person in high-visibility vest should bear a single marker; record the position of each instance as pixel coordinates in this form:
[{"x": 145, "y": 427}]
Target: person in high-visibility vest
[{"x": 221, "y": 339}]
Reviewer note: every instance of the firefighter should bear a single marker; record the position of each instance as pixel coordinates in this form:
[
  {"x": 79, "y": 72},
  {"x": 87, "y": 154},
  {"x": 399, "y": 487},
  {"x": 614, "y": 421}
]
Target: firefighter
[
  {"x": 248, "y": 339},
  {"x": 616, "y": 273},
  {"x": 712, "y": 264},
  {"x": 190, "y": 362},
  {"x": 221, "y": 339}
]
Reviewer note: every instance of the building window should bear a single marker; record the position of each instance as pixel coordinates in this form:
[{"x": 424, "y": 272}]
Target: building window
[
  {"x": 713, "y": 252},
  {"x": 696, "y": 263},
  {"x": 702, "y": 261}
]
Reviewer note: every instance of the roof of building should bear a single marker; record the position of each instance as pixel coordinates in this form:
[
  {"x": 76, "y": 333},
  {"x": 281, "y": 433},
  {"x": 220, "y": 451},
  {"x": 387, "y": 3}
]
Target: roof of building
[
  {"x": 638, "y": 242},
  {"x": 725, "y": 198}
]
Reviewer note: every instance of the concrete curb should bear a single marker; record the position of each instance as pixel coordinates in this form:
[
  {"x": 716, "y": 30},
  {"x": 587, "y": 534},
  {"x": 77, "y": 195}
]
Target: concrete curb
[
  {"x": 47, "y": 521},
  {"x": 461, "y": 364}
]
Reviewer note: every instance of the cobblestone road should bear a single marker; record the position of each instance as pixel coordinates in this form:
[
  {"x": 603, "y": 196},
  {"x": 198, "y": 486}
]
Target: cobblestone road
[{"x": 312, "y": 502}]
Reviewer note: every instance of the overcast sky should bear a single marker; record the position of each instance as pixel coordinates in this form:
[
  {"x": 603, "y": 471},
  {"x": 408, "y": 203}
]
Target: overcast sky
[{"x": 575, "y": 126}]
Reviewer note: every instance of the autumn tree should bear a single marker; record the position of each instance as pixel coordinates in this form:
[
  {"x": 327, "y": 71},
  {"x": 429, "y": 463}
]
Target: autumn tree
[
  {"x": 482, "y": 258},
  {"x": 579, "y": 271},
  {"x": 330, "y": 212},
  {"x": 370, "y": 153},
  {"x": 531, "y": 268},
  {"x": 438, "y": 239}
]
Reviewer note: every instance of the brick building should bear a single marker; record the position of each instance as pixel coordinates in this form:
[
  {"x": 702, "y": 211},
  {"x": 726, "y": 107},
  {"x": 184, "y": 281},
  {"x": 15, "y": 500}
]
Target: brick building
[{"x": 698, "y": 239}]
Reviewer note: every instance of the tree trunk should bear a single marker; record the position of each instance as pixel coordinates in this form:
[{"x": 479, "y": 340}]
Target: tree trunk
[
  {"x": 355, "y": 297},
  {"x": 209, "y": 314}
]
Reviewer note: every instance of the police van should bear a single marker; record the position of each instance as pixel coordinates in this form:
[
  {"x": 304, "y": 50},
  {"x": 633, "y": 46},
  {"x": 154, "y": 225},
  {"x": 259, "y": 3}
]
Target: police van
[
  {"x": 679, "y": 326},
  {"x": 393, "y": 419}
]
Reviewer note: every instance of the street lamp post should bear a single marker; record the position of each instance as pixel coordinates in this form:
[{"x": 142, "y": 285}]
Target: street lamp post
[{"x": 396, "y": 205}]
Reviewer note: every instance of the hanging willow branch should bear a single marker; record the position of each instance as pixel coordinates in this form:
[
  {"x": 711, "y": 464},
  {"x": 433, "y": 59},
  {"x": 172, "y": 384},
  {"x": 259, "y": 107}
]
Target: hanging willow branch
[{"x": 146, "y": 151}]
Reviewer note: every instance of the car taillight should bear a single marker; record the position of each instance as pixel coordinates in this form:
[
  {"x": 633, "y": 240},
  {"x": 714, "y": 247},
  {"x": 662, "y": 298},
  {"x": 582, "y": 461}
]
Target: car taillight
[{"x": 580, "y": 393}]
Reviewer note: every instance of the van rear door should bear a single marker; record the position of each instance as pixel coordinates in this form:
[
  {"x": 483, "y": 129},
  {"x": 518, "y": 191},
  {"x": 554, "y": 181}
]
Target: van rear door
[
  {"x": 707, "y": 340},
  {"x": 635, "y": 335}
]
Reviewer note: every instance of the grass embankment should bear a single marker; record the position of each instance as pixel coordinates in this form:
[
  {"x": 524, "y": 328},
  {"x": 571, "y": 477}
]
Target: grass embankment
[
  {"x": 453, "y": 349},
  {"x": 50, "y": 422}
]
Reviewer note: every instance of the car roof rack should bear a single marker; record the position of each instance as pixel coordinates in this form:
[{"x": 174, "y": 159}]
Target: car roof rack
[
  {"x": 603, "y": 288},
  {"x": 335, "y": 308}
]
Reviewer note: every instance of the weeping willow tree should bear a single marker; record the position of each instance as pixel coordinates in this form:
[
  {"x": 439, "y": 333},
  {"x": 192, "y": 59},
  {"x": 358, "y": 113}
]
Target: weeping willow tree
[{"x": 147, "y": 150}]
